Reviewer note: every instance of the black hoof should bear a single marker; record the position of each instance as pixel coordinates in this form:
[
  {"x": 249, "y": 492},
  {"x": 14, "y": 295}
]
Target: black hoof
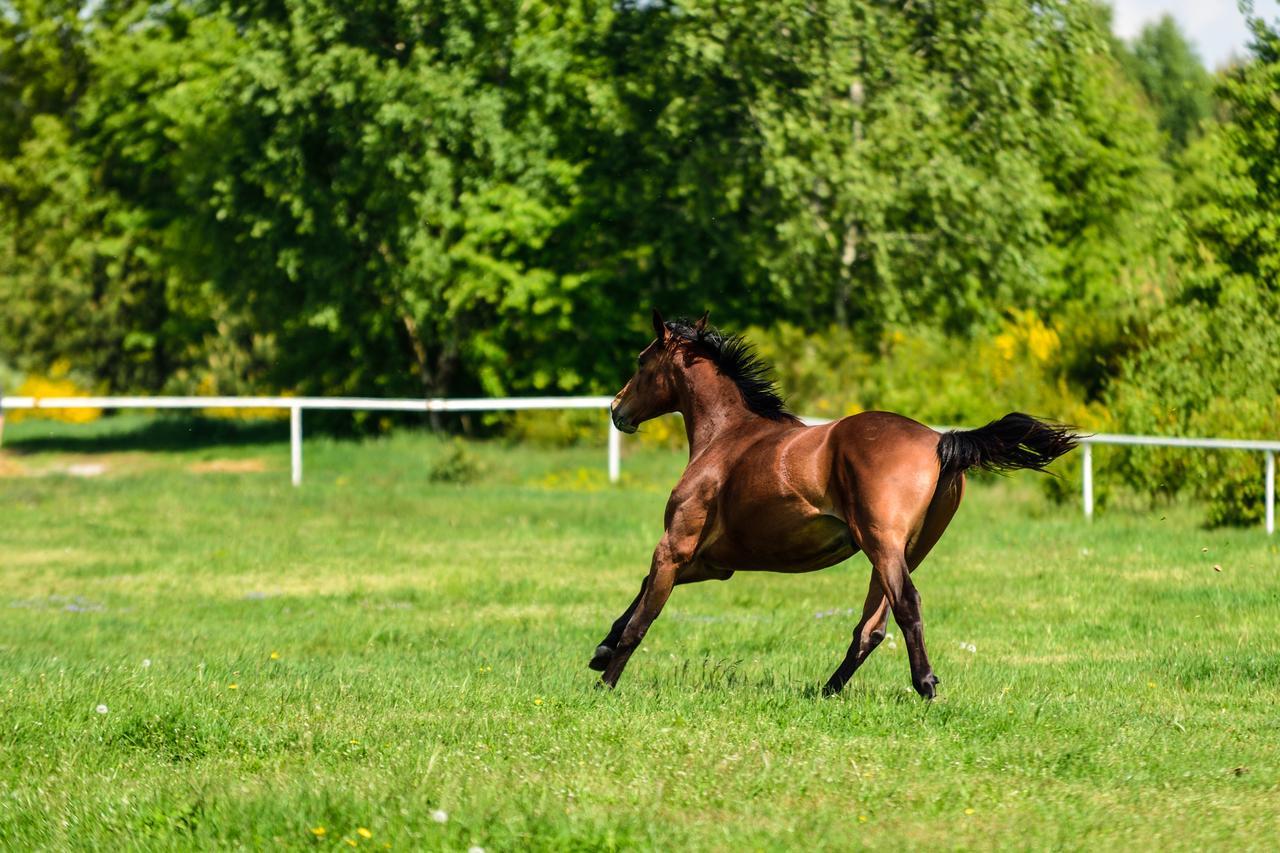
[
  {"x": 600, "y": 660},
  {"x": 928, "y": 686}
]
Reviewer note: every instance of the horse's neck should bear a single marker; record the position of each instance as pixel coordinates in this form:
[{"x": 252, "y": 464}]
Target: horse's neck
[{"x": 712, "y": 407}]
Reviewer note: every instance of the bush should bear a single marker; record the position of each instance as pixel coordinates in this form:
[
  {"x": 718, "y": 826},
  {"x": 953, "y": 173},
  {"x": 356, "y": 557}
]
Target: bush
[
  {"x": 928, "y": 376},
  {"x": 558, "y": 427},
  {"x": 456, "y": 465},
  {"x": 57, "y": 383}
]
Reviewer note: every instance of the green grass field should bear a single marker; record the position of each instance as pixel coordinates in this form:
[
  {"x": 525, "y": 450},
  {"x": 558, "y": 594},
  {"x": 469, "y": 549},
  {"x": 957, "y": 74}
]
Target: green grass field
[{"x": 195, "y": 654}]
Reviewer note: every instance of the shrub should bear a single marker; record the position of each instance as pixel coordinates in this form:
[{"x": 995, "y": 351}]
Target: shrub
[
  {"x": 456, "y": 465},
  {"x": 57, "y": 383}
]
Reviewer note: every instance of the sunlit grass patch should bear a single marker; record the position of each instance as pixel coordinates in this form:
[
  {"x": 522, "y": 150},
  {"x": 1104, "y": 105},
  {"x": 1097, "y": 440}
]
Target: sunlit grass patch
[{"x": 374, "y": 649}]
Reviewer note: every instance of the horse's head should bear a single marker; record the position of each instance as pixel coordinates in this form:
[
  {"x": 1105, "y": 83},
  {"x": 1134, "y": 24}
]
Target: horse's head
[{"x": 652, "y": 390}]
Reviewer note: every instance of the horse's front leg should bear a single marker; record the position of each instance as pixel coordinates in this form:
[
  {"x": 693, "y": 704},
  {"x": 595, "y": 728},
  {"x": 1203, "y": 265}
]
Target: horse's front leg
[
  {"x": 668, "y": 560},
  {"x": 604, "y": 650},
  {"x": 694, "y": 573}
]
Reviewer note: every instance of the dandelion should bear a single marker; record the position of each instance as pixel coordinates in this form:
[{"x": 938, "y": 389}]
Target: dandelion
[
  {"x": 364, "y": 833},
  {"x": 537, "y": 700},
  {"x": 1151, "y": 684},
  {"x": 101, "y": 709},
  {"x": 275, "y": 656},
  {"x": 862, "y": 818},
  {"x": 233, "y": 686},
  {"x": 968, "y": 811},
  {"x": 146, "y": 662},
  {"x": 318, "y": 831},
  {"x": 440, "y": 815}
]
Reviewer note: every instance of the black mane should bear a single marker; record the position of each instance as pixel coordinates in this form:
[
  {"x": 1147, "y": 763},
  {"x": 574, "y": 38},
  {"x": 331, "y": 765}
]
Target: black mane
[{"x": 737, "y": 359}]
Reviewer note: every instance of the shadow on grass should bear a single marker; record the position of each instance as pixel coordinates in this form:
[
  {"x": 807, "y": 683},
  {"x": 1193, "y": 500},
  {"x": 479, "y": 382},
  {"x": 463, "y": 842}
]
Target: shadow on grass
[{"x": 127, "y": 433}]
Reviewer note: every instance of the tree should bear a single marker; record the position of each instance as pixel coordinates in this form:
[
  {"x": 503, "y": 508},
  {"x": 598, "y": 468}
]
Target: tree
[
  {"x": 1213, "y": 366},
  {"x": 1175, "y": 82}
]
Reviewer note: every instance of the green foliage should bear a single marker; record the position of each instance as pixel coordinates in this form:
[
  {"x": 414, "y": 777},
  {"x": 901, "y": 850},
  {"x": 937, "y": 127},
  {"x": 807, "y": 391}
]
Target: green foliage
[
  {"x": 450, "y": 197},
  {"x": 1212, "y": 366},
  {"x": 1175, "y": 82},
  {"x": 455, "y": 465},
  {"x": 557, "y": 427},
  {"x": 928, "y": 376}
]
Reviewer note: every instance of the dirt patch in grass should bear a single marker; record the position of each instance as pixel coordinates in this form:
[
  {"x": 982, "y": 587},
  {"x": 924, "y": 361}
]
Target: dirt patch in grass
[{"x": 228, "y": 466}]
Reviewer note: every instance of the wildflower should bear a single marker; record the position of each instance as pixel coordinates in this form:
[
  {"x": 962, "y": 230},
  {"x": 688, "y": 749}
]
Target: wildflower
[
  {"x": 318, "y": 831},
  {"x": 350, "y": 842},
  {"x": 968, "y": 811},
  {"x": 364, "y": 833},
  {"x": 146, "y": 662},
  {"x": 233, "y": 686},
  {"x": 275, "y": 656},
  {"x": 537, "y": 700},
  {"x": 101, "y": 709},
  {"x": 862, "y": 818},
  {"x": 440, "y": 816},
  {"x": 1151, "y": 684}
]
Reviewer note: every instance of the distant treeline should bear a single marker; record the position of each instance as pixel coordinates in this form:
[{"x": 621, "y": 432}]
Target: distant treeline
[{"x": 487, "y": 196}]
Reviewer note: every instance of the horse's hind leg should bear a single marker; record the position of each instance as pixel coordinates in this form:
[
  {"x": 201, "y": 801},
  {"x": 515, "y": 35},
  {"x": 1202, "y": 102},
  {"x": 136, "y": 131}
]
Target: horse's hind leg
[
  {"x": 890, "y": 564},
  {"x": 866, "y": 637},
  {"x": 870, "y": 630}
]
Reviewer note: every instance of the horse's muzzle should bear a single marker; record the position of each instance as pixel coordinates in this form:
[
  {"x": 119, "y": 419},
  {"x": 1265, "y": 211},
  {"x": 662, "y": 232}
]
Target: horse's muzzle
[
  {"x": 620, "y": 422},
  {"x": 622, "y": 425}
]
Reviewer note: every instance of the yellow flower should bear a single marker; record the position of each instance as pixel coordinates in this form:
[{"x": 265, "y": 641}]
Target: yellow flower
[
  {"x": 364, "y": 833},
  {"x": 350, "y": 842},
  {"x": 968, "y": 811},
  {"x": 275, "y": 656},
  {"x": 318, "y": 831},
  {"x": 233, "y": 686},
  {"x": 862, "y": 818},
  {"x": 537, "y": 700}
]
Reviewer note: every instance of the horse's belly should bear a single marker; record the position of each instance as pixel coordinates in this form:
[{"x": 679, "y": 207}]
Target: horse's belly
[{"x": 815, "y": 543}]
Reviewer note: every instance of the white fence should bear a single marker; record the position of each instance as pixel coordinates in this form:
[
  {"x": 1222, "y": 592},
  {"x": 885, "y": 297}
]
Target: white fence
[{"x": 296, "y": 405}]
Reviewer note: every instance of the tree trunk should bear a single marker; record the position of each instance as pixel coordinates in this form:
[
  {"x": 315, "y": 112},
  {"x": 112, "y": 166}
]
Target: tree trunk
[{"x": 424, "y": 368}]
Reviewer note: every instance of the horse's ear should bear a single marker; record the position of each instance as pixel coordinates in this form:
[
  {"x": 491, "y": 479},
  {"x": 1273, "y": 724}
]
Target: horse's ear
[
  {"x": 659, "y": 326},
  {"x": 702, "y": 322}
]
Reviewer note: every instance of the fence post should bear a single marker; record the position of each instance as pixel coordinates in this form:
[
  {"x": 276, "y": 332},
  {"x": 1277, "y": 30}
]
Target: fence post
[
  {"x": 295, "y": 443},
  {"x": 1271, "y": 492},
  {"x": 1088, "y": 480},
  {"x": 615, "y": 452}
]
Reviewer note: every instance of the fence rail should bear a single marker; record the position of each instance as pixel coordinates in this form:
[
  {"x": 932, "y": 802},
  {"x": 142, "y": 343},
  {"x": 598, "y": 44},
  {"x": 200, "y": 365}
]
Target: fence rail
[{"x": 296, "y": 405}]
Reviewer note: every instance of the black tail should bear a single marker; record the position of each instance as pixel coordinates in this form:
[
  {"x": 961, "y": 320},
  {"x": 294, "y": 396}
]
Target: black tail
[{"x": 1014, "y": 441}]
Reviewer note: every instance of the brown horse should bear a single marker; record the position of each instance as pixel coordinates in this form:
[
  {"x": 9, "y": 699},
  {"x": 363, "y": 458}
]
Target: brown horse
[{"x": 764, "y": 492}]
